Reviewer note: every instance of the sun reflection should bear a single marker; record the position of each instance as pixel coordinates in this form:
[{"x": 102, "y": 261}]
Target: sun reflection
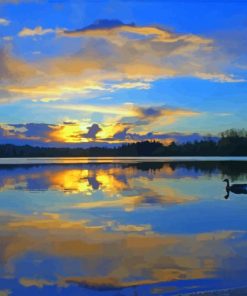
[
  {"x": 71, "y": 181},
  {"x": 110, "y": 182},
  {"x": 126, "y": 187}
]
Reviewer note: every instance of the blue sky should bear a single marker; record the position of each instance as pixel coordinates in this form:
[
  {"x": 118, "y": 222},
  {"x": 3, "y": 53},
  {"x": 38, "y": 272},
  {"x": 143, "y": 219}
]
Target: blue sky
[{"x": 185, "y": 60}]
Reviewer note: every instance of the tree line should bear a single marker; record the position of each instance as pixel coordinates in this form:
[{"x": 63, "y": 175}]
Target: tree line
[{"x": 232, "y": 142}]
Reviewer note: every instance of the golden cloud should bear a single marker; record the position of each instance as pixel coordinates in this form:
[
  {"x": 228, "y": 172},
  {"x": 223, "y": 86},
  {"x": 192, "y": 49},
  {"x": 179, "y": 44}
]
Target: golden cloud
[
  {"x": 128, "y": 56},
  {"x": 39, "y": 283},
  {"x": 35, "y": 31}
]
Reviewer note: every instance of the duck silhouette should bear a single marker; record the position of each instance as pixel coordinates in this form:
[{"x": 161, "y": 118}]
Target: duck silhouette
[{"x": 235, "y": 188}]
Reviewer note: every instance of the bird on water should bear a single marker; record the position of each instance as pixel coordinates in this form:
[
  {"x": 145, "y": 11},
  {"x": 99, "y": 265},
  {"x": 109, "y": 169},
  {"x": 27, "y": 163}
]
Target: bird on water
[{"x": 235, "y": 188}]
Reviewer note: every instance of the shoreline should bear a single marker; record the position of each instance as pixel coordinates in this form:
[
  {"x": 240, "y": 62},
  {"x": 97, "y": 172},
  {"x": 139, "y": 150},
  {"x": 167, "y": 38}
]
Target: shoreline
[{"x": 122, "y": 159}]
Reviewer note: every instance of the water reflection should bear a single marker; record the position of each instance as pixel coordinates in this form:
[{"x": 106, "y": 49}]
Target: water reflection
[
  {"x": 73, "y": 178},
  {"x": 137, "y": 228},
  {"x": 122, "y": 185}
]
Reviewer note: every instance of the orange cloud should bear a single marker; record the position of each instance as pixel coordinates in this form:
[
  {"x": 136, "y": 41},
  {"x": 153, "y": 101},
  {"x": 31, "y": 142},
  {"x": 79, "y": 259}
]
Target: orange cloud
[{"x": 35, "y": 31}]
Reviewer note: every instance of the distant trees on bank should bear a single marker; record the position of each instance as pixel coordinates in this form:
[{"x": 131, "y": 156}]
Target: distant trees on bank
[{"x": 230, "y": 143}]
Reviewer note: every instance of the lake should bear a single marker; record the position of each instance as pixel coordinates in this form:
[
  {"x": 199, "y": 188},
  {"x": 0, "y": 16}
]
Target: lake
[{"x": 116, "y": 227}]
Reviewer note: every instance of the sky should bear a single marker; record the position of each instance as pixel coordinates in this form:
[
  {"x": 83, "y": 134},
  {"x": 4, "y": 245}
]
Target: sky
[{"x": 83, "y": 73}]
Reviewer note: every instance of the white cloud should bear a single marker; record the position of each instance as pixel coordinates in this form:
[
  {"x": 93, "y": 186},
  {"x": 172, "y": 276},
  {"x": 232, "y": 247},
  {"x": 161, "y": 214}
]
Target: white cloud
[
  {"x": 7, "y": 38},
  {"x": 25, "y": 32},
  {"x": 4, "y": 22}
]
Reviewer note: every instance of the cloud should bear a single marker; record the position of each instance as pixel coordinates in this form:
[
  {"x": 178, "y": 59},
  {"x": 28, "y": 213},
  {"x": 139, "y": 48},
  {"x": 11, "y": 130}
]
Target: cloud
[
  {"x": 113, "y": 56},
  {"x": 108, "y": 28},
  {"x": 7, "y": 38},
  {"x": 121, "y": 128},
  {"x": 129, "y": 85},
  {"x": 166, "y": 138},
  {"x": 21, "y": 80},
  {"x": 131, "y": 228},
  {"x": 143, "y": 114},
  {"x": 127, "y": 118},
  {"x": 92, "y": 131},
  {"x": 115, "y": 110},
  {"x": 176, "y": 54},
  {"x": 78, "y": 134},
  {"x": 30, "y": 133},
  {"x": 217, "y": 77},
  {"x": 13, "y": 70},
  {"x": 102, "y": 24},
  {"x": 17, "y": 1},
  {"x": 25, "y": 32},
  {"x": 4, "y": 22},
  {"x": 60, "y": 136},
  {"x": 148, "y": 115},
  {"x": 39, "y": 283}
]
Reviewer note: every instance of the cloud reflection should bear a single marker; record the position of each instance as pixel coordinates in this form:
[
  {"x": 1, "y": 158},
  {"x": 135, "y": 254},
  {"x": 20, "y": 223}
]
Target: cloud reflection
[{"x": 112, "y": 256}]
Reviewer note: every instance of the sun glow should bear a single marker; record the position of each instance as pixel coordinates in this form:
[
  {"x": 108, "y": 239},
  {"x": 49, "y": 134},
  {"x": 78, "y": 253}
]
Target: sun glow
[{"x": 68, "y": 133}]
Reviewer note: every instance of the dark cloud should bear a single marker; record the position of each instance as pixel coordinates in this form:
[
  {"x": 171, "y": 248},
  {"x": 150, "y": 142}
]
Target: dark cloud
[
  {"x": 148, "y": 115},
  {"x": 124, "y": 135},
  {"x": 101, "y": 24},
  {"x": 21, "y": 134},
  {"x": 68, "y": 122},
  {"x": 150, "y": 111},
  {"x": 92, "y": 131},
  {"x": 33, "y": 129}
]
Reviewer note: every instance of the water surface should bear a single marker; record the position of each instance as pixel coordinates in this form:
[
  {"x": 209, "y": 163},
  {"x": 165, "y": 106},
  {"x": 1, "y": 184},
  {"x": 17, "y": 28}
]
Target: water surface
[{"x": 121, "y": 227}]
